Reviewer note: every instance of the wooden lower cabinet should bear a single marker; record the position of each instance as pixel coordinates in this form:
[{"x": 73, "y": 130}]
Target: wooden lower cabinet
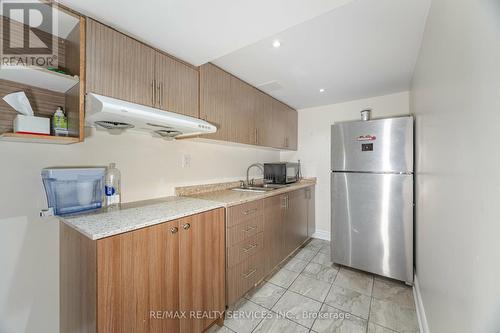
[
  {"x": 273, "y": 231},
  {"x": 138, "y": 281},
  {"x": 286, "y": 223},
  {"x": 287, "y": 218},
  {"x": 244, "y": 276},
  {"x": 295, "y": 220},
  {"x": 244, "y": 248},
  {"x": 201, "y": 268},
  {"x": 311, "y": 210}
]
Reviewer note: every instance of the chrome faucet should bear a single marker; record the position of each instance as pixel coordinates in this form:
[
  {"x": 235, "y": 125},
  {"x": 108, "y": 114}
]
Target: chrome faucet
[{"x": 257, "y": 165}]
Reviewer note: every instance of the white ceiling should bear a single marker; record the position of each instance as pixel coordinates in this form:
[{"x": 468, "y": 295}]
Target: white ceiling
[
  {"x": 351, "y": 48},
  {"x": 198, "y": 31},
  {"x": 365, "y": 48}
]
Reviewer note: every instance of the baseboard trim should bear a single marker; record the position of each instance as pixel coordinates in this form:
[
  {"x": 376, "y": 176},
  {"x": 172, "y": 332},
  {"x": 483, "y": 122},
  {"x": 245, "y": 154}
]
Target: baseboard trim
[
  {"x": 419, "y": 305},
  {"x": 322, "y": 234}
]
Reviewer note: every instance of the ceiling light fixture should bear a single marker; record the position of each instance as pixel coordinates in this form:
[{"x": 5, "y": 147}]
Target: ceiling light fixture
[
  {"x": 276, "y": 43},
  {"x": 322, "y": 90}
]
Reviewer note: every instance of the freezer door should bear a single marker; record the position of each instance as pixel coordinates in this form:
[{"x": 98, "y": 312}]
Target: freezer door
[
  {"x": 383, "y": 145},
  {"x": 372, "y": 223}
]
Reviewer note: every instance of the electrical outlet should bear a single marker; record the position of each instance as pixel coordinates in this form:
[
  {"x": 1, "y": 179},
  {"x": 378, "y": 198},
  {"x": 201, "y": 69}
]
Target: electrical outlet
[{"x": 186, "y": 160}]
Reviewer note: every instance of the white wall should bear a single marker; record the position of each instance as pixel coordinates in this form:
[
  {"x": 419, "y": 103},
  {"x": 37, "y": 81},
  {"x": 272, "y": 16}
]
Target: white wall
[
  {"x": 456, "y": 99},
  {"x": 314, "y": 142},
  {"x": 29, "y": 251}
]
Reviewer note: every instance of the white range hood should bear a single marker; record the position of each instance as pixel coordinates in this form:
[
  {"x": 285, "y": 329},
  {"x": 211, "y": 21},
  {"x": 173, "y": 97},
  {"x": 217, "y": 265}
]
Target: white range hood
[{"x": 117, "y": 115}]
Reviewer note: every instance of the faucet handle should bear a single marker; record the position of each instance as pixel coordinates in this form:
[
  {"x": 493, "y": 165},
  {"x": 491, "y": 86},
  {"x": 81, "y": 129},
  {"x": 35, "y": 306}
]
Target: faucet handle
[{"x": 242, "y": 183}]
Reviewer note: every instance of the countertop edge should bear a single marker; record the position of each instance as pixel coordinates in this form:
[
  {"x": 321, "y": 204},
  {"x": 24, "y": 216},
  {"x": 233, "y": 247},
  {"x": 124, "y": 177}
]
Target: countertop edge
[
  {"x": 102, "y": 235},
  {"x": 258, "y": 196}
]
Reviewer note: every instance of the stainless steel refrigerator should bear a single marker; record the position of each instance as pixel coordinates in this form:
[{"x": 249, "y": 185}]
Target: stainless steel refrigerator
[{"x": 372, "y": 196}]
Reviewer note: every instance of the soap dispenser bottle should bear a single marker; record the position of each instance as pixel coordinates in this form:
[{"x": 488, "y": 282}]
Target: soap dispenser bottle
[{"x": 59, "y": 123}]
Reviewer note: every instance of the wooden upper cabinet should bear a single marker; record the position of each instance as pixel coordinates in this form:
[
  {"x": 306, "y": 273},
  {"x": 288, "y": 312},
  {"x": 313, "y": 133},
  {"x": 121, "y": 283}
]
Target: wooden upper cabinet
[
  {"x": 244, "y": 114},
  {"x": 118, "y": 66},
  {"x": 291, "y": 130},
  {"x": 121, "y": 67},
  {"x": 228, "y": 103},
  {"x": 264, "y": 119},
  {"x": 177, "y": 86},
  {"x": 242, "y": 109},
  {"x": 215, "y": 99},
  {"x": 285, "y": 126}
]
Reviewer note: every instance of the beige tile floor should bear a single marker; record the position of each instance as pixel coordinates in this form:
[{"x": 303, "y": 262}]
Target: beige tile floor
[{"x": 310, "y": 294}]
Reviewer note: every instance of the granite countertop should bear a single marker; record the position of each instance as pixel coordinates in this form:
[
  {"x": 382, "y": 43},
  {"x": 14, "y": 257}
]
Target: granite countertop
[
  {"x": 228, "y": 197},
  {"x": 136, "y": 215}
]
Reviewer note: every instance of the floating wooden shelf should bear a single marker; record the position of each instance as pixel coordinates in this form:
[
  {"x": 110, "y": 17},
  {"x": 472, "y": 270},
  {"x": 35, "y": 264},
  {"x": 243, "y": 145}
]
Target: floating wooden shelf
[
  {"x": 38, "y": 77},
  {"x": 34, "y": 138}
]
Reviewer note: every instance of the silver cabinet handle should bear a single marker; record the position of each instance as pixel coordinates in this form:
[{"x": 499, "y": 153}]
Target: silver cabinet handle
[
  {"x": 161, "y": 94},
  {"x": 174, "y": 230},
  {"x": 186, "y": 226},
  {"x": 153, "y": 95},
  {"x": 249, "y": 211},
  {"x": 158, "y": 94},
  {"x": 251, "y": 247},
  {"x": 250, "y": 228},
  {"x": 250, "y": 273}
]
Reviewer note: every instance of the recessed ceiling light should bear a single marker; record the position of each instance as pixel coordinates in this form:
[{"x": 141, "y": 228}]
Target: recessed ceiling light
[
  {"x": 276, "y": 43},
  {"x": 322, "y": 90}
]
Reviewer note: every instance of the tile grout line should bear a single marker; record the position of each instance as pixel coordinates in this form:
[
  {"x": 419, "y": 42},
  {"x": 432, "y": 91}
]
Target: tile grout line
[
  {"x": 286, "y": 289},
  {"x": 323, "y": 303}
]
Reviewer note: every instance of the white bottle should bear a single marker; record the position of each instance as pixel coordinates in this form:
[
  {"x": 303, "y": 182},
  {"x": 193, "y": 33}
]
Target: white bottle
[{"x": 112, "y": 184}]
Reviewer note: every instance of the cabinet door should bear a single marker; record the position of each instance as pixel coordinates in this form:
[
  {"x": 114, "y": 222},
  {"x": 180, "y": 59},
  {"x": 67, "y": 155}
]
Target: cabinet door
[
  {"x": 291, "y": 130},
  {"x": 118, "y": 66},
  {"x": 242, "y": 108},
  {"x": 202, "y": 268},
  {"x": 279, "y": 121},
  {"x": 215, "y": 98},
  {"x": 137, "y": 276},
  {"x": 311, "y": 211},
  {"x": 300, "y": 204},
  {"x": 264, "y": 125},
  {"x": 284, "y": 120},
  {"x": 288, "y": 225},
  {"x": 177, "y": 86},
  {"x": 295, "y": 218},
  {"x": 273, "y": 232}
]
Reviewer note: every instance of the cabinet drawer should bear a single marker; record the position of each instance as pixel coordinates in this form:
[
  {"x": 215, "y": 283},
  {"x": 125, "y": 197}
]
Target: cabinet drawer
[
  {"x": 242, "y": 277},
  {"x": 244, "y": 230},
  {"x": 241, "y": 213},
  {"x": 239, "y": 252}
]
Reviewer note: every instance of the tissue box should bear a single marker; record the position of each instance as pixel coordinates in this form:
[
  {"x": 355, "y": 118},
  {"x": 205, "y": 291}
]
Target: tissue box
[{"x": 31, "y": 125}]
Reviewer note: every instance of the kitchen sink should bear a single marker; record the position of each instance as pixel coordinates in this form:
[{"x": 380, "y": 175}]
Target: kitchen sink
[{"x": 259, "y": 188}]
